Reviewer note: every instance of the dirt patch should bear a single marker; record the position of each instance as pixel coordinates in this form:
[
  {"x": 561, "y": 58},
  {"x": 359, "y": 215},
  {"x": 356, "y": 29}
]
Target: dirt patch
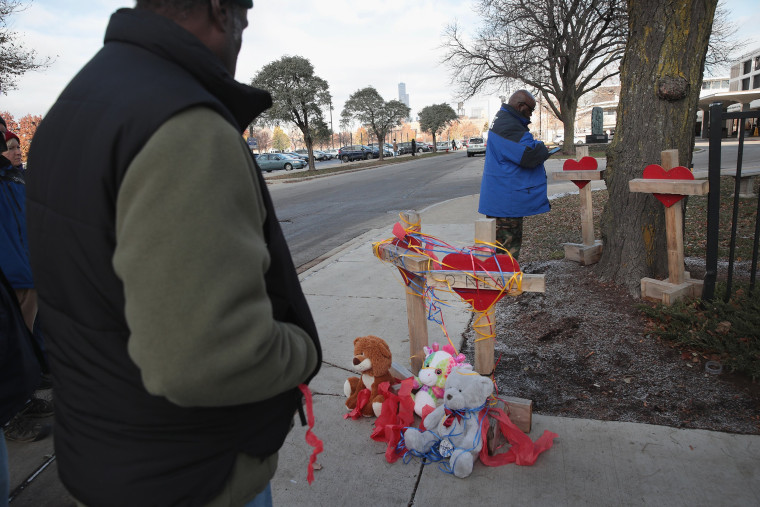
[{"x": 582, "y": 350}]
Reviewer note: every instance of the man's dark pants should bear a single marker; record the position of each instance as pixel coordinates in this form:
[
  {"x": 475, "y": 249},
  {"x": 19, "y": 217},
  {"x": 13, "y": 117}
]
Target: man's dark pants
[{"x": 509, "y": 231}]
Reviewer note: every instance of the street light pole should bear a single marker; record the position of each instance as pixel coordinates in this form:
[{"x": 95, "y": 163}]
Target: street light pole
[{"x": 332, "y": 139}]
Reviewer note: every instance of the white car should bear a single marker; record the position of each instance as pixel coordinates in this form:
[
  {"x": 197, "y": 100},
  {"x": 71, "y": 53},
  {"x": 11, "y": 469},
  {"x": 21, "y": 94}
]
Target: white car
[
  {"x": 475, "y": 146},
  {"x": 578, "y": 139}
]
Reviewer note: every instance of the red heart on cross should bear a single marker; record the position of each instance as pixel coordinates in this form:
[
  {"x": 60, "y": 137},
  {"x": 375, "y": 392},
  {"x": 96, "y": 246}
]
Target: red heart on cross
[
  {"x": 657, "y": 172},
  {"x": 584, "y": 164},
  {"x": 481, "y": 299}
]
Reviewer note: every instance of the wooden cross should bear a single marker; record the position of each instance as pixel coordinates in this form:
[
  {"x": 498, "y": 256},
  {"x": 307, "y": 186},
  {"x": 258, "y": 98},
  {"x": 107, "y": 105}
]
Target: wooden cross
[
  {"x": 590, "y": 250},
  {"x": 419, "y": 273},
  {"x": 679, "y": 283}
]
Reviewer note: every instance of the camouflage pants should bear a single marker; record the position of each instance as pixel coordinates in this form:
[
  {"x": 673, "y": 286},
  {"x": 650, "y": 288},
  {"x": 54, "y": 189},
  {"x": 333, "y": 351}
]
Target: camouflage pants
[{"x": 509, "y": 233}]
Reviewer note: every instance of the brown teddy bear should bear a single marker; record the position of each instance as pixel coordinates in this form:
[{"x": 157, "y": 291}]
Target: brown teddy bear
[{"x": 372, "y": 359}]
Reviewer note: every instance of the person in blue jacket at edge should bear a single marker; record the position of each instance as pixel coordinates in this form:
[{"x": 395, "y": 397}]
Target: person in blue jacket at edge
[{"x": 514, "y": 177}]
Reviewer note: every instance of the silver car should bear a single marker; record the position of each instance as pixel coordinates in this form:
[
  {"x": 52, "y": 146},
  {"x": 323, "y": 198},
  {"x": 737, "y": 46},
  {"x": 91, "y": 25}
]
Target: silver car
[{"x": 475, "y": 146}]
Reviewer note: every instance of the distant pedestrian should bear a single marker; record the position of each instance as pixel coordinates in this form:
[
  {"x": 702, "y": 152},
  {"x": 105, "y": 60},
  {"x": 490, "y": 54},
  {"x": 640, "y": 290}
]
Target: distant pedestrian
[
  {"x": 395, "y": 148},
  {"x": 414, "y": 147},
  {"x": 453, "y": 145}
]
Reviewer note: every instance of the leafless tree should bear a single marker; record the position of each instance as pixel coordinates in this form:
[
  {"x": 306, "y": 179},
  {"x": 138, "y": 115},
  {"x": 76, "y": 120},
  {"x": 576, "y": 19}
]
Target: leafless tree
[
  {"x": 563, "y": 49},
  {"x": 15, "y": 58},
  {"x": 723, "y": 42}
]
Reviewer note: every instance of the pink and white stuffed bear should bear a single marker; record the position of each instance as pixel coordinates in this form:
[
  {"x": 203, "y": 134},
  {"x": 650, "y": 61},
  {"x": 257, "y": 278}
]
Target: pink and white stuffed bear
[{"x": 431, "y": 379}]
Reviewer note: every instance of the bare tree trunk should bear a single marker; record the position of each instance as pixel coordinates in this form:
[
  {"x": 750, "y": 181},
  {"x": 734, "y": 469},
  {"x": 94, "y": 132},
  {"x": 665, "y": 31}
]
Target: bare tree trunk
[
  {"x": 568, "y": 119},
  {"x": 310, "y": 152},
  {"x": 380, "y": 143},
  {"x": 661, "y": 75}
]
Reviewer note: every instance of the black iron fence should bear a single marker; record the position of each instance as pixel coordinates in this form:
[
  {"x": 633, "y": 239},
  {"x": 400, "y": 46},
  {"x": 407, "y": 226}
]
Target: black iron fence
[{"x": 718, "y": 117}]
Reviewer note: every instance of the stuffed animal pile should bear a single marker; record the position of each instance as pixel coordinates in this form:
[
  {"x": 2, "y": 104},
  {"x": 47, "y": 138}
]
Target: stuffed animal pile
[
  {"x": 455, "y": 429},
  {"x": 372, "y": 359},
  {"x": 431, "y": 379}
]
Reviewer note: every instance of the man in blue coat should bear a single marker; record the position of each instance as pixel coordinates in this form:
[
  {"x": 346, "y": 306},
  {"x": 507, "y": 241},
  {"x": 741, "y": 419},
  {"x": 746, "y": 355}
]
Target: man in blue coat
[{"x": 514, "y": 178}]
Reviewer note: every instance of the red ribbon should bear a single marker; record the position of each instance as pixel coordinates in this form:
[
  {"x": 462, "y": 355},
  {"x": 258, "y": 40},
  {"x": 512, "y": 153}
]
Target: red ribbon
[
  {"x": 523, "y": 451},
  {"x": 397, "y": 413},
  {"x": 361, "y": 399},
  {"x": 451, "y": 416},
  {"x": 311, "y": 438}
]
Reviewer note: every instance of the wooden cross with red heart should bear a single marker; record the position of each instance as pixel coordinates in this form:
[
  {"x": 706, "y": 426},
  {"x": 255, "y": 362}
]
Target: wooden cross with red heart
[
  {"x": 656, "y": 172},
  {"x": 406, "y": 243},
  {"x": 584, "y": 164},
  {"x": 494, "y": 266}
]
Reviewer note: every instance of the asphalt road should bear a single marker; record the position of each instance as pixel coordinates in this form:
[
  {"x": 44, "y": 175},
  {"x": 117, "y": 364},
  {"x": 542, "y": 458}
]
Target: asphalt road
[{"x": 321, "y": 214}]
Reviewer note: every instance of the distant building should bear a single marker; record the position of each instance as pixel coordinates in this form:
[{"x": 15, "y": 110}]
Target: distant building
[
  {"x": 743, "y": 93},
  {"x": 714, "y": 85},
  {"x": 745, "y": 73},
  {"x": 606, "y": 97},
  {"x": 477, "y": 112},
  {"x": 710, "y": 86},
  {"x": 403, "y": 97}
]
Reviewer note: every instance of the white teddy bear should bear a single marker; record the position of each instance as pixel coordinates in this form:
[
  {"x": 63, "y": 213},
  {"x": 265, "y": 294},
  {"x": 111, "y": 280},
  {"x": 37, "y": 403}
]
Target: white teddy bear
[{"x": 455, "y": 428}]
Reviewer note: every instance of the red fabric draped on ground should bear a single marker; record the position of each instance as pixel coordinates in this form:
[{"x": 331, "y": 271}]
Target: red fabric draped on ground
[
  {"x": 397, "y": 414},
  {"x": 523, "y": 450}
]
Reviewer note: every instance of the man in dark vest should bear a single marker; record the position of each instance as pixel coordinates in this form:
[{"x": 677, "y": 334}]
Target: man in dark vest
[{"x": 178, "y": 331}]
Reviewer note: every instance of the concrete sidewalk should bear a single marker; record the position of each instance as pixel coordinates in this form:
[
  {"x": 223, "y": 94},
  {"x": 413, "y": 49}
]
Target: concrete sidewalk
[
  {"x": 592, "y": 462},
  {"x": 353, "y": 294}
]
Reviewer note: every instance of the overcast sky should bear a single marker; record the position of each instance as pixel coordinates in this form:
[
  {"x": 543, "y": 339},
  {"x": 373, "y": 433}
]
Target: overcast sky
[{"x": 351, "y": 43}]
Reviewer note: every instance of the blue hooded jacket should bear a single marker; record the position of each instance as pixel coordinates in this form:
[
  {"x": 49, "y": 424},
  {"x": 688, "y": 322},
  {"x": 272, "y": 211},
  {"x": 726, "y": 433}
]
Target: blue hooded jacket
[
  {"x": 14, "y": 247},
  {"x": 514, "y": 178}
]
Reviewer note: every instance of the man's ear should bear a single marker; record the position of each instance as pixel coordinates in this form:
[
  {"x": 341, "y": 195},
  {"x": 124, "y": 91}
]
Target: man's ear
[{"x": 219, "y": 13}]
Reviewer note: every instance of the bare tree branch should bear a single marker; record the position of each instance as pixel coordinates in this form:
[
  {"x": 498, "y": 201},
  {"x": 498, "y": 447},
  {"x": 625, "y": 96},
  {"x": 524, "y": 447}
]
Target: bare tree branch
[{"x": 563, "y": 49}]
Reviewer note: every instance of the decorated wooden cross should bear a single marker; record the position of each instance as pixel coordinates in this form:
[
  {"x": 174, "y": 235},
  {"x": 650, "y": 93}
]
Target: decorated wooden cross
[
  {"x": 670, "y": 183},
  {"x": 581, "y": 172},
  {"x": 481, "y": 278}
]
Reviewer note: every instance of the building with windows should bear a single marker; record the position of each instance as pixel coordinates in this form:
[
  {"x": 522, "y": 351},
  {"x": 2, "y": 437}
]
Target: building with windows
[
  {"x": 743, "y": 93},
  {"x": 714, "y": 85},
  {"x": 745, "y": 73},
  {"x": 403, "y": 97}
]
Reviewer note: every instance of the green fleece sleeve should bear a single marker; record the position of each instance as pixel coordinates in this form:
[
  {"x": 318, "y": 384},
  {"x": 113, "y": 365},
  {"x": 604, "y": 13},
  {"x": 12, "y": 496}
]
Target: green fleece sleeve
[{"x": 191, "y": 254}]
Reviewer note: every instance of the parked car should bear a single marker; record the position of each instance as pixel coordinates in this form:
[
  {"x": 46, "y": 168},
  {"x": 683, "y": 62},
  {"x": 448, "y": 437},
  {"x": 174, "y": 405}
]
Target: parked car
[
  {"x": 301, "y": 156},
  {"x": 355, "y": 152},
  {"x": 387, "y": 151},
  {"x": 578, "y": 139},
  {"x": 318, "y": 155},
  {"x": 443, "y": 146},
  {"x": 404, "y": 148},
  {"x": 270, "y": 161},
  {"x": 476, "y": 145},
  {"x": 332, "y": 152}
]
